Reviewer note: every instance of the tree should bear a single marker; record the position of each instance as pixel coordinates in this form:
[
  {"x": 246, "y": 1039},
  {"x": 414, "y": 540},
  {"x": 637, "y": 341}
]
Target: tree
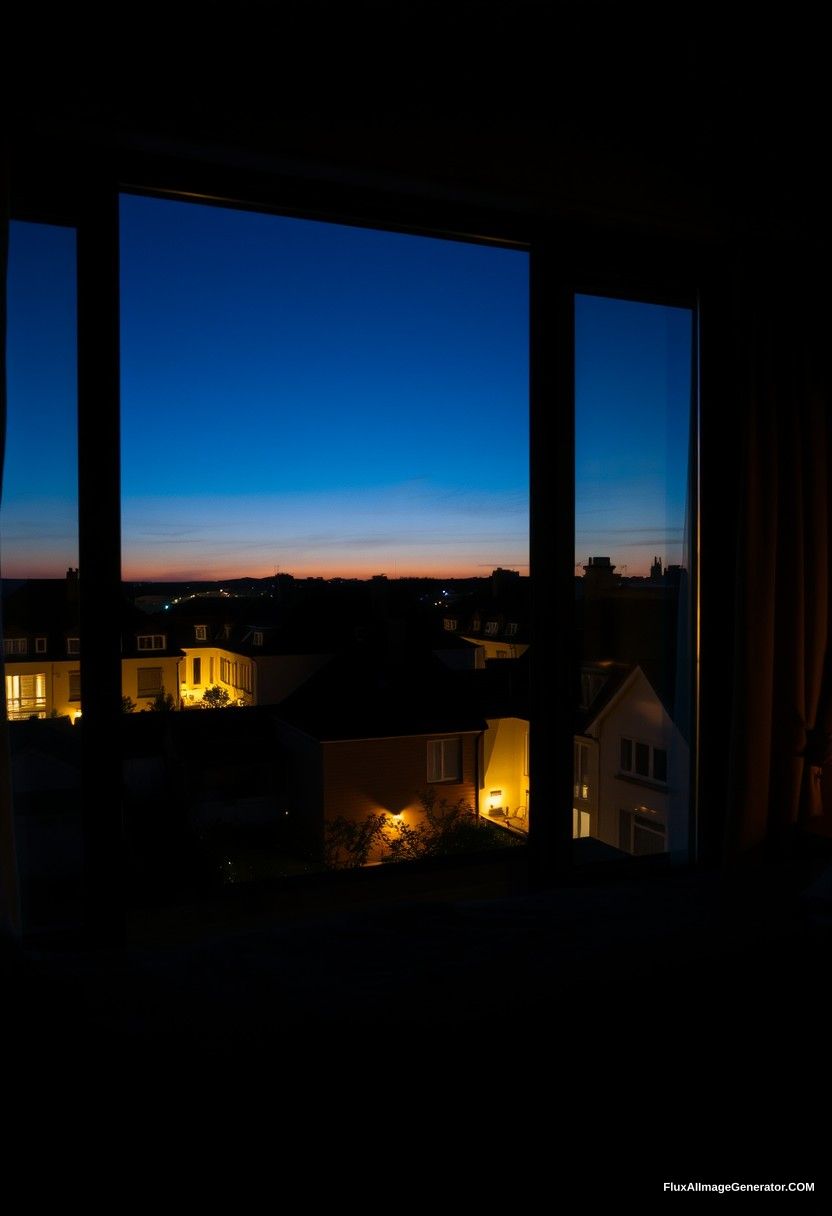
[
  {"x": 215, "y": 698},
  {"x": 127, "y": 705}
]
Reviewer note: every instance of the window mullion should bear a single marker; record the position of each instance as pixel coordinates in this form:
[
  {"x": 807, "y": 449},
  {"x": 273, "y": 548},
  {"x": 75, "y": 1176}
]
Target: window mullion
[{"x": 99, "y": 529}]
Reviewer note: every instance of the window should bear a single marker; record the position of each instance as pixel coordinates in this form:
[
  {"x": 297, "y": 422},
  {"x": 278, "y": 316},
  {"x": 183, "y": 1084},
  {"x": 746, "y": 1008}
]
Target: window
[
  {"x": 150, "y": 641},
  {"x": 644, "y": 760},
  {"x": 642, "y": 834},
  {"x": 40, "y": 645},
  {"x": 15, "y": 645},
  {"x": 491, "y": 628},
  {"x": 511, "y": 629},
  {"x": 197, "y": 671},
  {"x": 445, "y": 759},
  {"x": 148, "y": 681},
  {"x": 581, "y": 785},
  {"x": 450, "y": 623},
  {"x": 440, "y": 752},
  {"x": 75, "y": 686},
  {"x": 201, "y": 633},
  {"x": 211, "y": 670},
  {"x": 258, "y": 638},
  {"x": 73, "y": 645},
  {"x": 26, "y": 695}
]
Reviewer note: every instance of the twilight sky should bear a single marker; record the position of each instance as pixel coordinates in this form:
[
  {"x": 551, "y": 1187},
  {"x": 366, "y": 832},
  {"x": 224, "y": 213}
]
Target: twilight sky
[{"x": 330, "y": 400}]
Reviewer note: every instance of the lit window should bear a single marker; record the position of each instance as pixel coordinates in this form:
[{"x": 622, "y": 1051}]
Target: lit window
[
  {"x": 26, "y": 696},
  {"x": 150, "y": 641},
  {"x": 15, "y": 645},
  {"x": 445, "y": 759}
]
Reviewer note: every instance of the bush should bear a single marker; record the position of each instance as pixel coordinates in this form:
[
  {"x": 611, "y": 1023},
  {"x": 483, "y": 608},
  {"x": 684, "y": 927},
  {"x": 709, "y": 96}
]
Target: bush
[
  {"x": 447, "y": 828},
  {"x": 215, "y": 698}
]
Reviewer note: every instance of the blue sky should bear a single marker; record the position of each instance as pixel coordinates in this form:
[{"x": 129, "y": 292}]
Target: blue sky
[{"x": 330, "y": 400}]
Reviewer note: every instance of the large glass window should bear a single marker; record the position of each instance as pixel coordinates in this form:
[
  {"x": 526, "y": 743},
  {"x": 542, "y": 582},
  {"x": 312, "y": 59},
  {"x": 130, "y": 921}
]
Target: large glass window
[
  {"x": 325, "y": 450},
  {"x": 633, "y": 562},
  {"x": 40, "y": 578}
]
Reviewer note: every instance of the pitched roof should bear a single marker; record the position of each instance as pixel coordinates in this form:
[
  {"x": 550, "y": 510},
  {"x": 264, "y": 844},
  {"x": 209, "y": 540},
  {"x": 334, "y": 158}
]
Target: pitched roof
[{"x": 364, "y": 694}]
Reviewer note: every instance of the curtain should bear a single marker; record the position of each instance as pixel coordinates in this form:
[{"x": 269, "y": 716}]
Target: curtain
[{"x": 782, "y": 693}]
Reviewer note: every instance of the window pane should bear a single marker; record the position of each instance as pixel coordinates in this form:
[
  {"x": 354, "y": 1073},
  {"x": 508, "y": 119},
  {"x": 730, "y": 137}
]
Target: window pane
[
  {"x": 633, "y": 395},
  {"x": 39, "y": 548},
  {"x": 342, "y": 559}
]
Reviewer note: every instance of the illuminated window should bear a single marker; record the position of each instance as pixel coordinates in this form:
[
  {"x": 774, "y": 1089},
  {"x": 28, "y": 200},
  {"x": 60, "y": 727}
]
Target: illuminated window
[
  {"x": 148, "y": 681},
  {"x": 15, "y": 645},
  {"x": 150, "y": 641},
  {"x": 643, "y": 760},
  {"x": 445, "y": 759},
  {"x": 26, "y": 696}
]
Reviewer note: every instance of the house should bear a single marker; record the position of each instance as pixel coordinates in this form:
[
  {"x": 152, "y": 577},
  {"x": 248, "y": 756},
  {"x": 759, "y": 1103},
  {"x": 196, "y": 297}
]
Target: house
[
  {"x": 43, "y": 656},
  {"x": 374, "y": 734},
  {"x": 631, "y": 765}
]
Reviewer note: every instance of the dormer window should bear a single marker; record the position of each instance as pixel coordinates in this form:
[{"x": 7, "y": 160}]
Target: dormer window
[
  {"x": 201, "y": 633},
  {"x": 511, "y": 629},
  {"x": 491, "y": 628},
  {"x": 15, "y": 645},
  {"x": 40, "y": 645},
  {"x": 73, "y": 645},
  {"x": 226, "y": 631},
  {"x": 450, "y": 623},
  {"x": 258, "y": 638},
  {"x": 150, "y": 641}
]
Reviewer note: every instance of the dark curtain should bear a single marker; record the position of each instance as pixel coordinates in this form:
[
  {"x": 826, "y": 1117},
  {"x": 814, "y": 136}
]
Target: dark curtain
[
  {"x": 9, "y": 906},
  {"x": 782, "y": 692}
]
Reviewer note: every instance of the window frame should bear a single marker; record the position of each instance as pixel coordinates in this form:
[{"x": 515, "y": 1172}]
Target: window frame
[
  {"x": 567, "y": 255},
  {"x": 153, "y": 638},
  {"x": 439, "y": 748},
  {"x": 632, "y": 773}
]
